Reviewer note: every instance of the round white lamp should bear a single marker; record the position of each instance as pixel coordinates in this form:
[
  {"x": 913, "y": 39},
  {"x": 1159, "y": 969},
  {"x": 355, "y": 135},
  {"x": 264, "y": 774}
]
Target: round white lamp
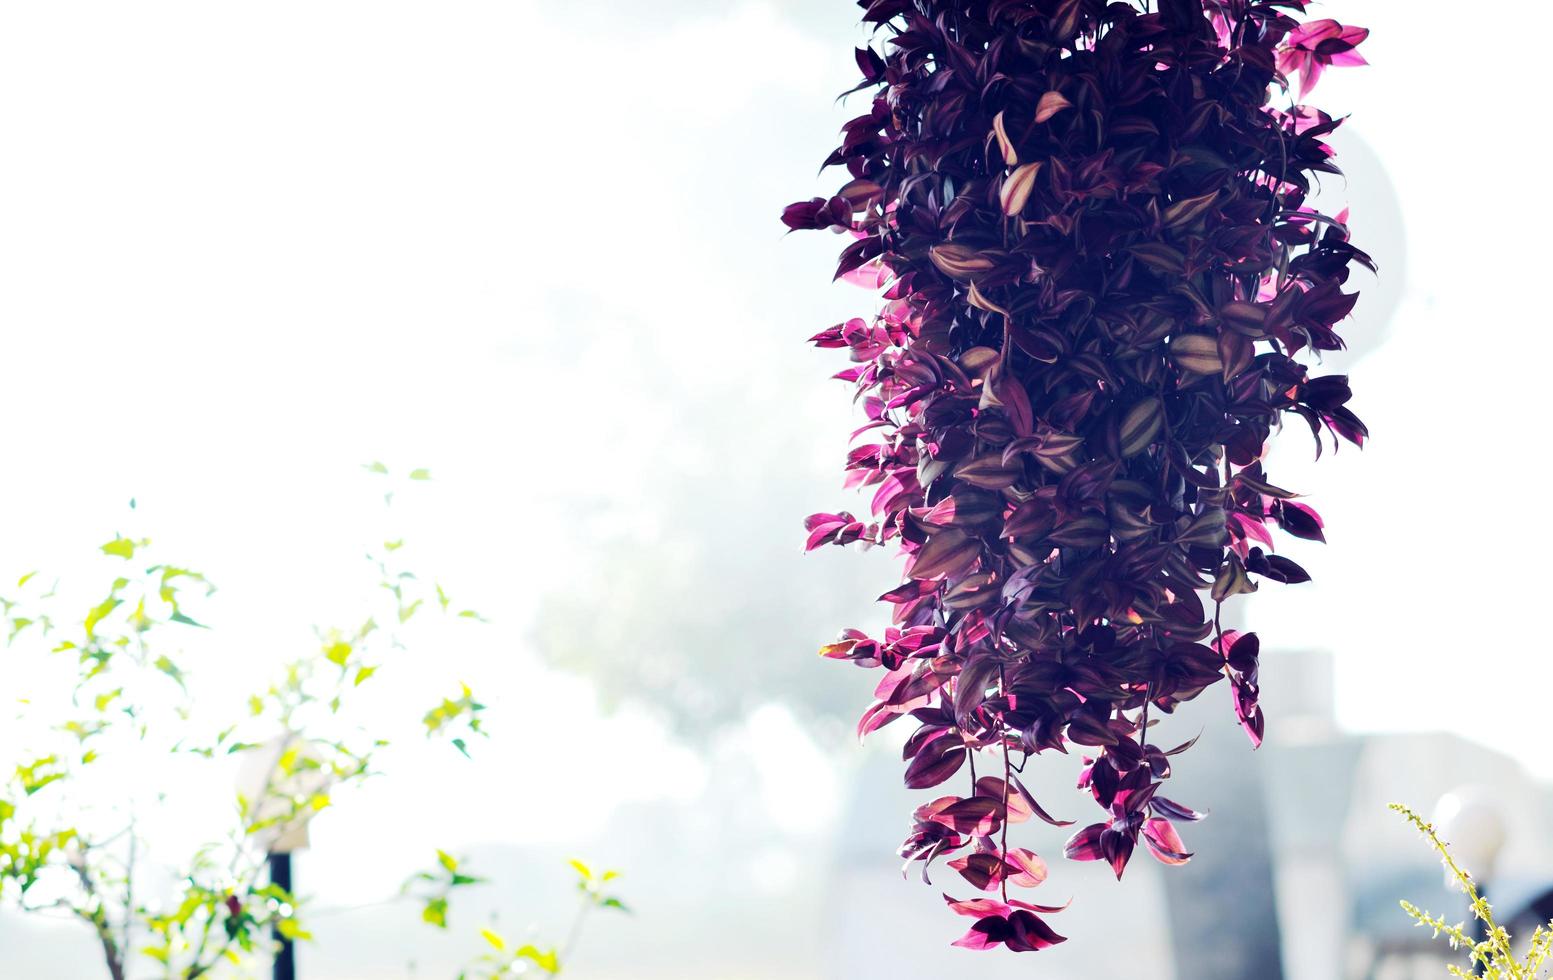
[{"x": 1473, "y": 825}]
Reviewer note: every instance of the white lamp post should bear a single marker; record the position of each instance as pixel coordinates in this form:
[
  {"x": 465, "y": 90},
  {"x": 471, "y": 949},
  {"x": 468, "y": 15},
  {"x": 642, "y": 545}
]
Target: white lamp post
[
  {"x": 1472, "y": 824},
  {"x": 278, "y": 789}
]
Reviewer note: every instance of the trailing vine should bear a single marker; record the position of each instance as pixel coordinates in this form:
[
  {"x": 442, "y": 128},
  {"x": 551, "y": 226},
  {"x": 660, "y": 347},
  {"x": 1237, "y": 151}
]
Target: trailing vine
[{"x": 1088, "y": 221}]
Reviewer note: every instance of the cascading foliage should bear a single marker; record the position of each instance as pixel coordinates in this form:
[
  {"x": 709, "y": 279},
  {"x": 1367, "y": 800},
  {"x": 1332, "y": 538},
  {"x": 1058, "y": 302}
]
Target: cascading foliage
[{"x": 1089, "y": 224}]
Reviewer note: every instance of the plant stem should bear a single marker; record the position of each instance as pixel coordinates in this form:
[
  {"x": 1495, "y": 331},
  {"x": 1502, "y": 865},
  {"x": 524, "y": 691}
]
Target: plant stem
[
  {"x": 93, "y": 915},
  {"x": 1003, "y": 847},
  {"x": 574, "y": 933}
]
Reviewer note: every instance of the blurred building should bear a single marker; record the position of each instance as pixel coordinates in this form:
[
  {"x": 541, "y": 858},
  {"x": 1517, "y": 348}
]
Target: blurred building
[{"x": 1342, "y": 860}]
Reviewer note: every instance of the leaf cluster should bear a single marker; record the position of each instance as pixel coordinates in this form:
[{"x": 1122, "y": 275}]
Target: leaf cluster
[{"x": 1100, "y": 274}]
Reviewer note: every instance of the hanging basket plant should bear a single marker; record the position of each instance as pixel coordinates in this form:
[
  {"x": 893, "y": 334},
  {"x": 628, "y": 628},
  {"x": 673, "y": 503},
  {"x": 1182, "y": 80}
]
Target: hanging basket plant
[{"x": 1099, "y": 275}]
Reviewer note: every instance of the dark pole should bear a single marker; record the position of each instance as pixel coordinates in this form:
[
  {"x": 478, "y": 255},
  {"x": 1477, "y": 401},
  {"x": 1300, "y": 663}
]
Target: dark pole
[{"x": 285, "y": 957}]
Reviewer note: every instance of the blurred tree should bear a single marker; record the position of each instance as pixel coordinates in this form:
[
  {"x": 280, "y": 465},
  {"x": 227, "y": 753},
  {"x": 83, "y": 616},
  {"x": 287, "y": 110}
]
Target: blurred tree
[
  {"x": 679, "y": 589},
  {"x": 71, "y": 840}
]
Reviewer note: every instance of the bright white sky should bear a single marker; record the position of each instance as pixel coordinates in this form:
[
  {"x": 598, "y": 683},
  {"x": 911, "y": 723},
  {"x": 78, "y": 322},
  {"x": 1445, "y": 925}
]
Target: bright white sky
[{"x": 245, "y": 248}]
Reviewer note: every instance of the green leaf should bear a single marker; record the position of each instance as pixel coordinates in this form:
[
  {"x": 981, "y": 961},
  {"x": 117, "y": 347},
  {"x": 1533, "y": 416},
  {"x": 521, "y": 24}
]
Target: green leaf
[
  {"x": 292, "y": 931},
  {"x": 546, "y": 960},
  {"x": 462, "y": 747},
  {"x": 615, "y": 903},
  {"x": 98, "y": 613},
  {"x": 338, "y": 652},
  {"x": 170, "y": 669},
  {"x": 120, "y": 548},
  {"x": 363, "y": 674},
  {"x": 421, "y": 474},
  {"x": 178, "y": 617},
  {"x": 375, "y": 467},
  {"x": 436, "y": 912}
]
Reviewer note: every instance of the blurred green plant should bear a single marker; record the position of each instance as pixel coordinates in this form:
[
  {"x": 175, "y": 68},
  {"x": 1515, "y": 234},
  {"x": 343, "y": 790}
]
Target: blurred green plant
[
  {"x": 70, "y": 844},
  {"x": 434, "y": 887},
  {"x": 1494, "y": 954},
  {"x": 505, "y": 959}
]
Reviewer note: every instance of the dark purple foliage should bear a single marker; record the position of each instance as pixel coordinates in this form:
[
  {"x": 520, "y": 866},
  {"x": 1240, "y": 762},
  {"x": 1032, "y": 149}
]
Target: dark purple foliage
[{"x": 1089, "y": 223}]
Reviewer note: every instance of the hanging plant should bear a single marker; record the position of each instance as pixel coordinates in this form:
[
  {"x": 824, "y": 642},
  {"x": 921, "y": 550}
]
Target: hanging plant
[{"x": 1098, "y": 266}]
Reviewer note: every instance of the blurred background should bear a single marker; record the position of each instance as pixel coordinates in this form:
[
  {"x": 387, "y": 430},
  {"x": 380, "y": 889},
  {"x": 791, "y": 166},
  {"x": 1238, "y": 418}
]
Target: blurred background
[{"x": 533, "y": 247}]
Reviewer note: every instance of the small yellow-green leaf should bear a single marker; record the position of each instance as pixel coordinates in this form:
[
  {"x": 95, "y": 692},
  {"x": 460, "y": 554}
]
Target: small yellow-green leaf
[
  {"x": 546, "y": 960},
  {"x": 363, "y": 674},
  {"x": 496, "y": 941},
  {"x": 120, "y": 548},
  {"x": 420, "y": 474},
  {"x": 98, "y": 613},
  {"x": 436, "y": 913},
  {"x": 138, "y": 619},
  {"x": 447, "y": 860},
  {"x": 292, "y": 931},
  {"x": 169, "y": 668}
]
